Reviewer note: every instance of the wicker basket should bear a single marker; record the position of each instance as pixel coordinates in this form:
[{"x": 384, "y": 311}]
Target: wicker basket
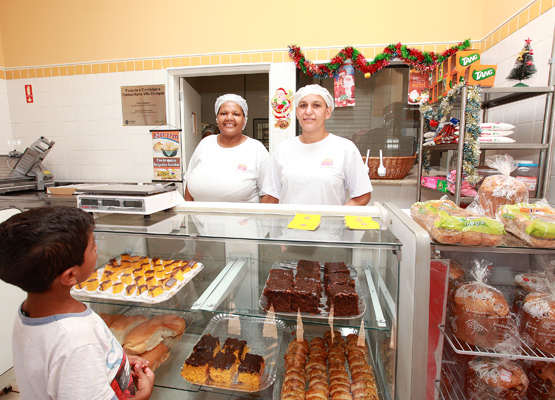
[{"x": 395, "y": 167}]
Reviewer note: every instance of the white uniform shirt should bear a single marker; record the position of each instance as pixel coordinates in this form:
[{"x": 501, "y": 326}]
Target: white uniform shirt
[
  {"x": 227, "y": 174},
  {"x": 316, "y": 173},
  {"x": 69, "y": 356}
]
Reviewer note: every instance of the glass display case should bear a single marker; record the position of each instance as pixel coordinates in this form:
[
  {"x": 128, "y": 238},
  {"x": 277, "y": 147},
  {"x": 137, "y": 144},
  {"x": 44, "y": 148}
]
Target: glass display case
[{"x": 235, "y": 250}]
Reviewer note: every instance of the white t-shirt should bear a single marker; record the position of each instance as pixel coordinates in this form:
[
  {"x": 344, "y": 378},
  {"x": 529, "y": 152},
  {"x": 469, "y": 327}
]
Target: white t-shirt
[
  {"x": 227, "y": 174},
  {"x": 69, "y": 356},
  {"x": 316, "y": 173}
]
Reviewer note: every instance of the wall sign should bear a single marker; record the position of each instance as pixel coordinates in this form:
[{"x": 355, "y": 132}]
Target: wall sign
[
  {"x": 29, "y": 93},
  {"x": 143, "y": 105},
  {"x": 166, "y": 155},
  {"x": 282, "y": 104}
]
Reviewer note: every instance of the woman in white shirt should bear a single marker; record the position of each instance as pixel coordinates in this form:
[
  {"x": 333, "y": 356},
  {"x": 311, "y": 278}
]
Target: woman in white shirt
[
  {"x": 230, "y": 166},
  {"x": 316, "y": 167}
]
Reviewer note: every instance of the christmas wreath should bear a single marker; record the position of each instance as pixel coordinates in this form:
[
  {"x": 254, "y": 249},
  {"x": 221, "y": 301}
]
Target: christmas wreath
[
  {"x": 420, "y": 60},
  {"x": 471, "y": 150}
]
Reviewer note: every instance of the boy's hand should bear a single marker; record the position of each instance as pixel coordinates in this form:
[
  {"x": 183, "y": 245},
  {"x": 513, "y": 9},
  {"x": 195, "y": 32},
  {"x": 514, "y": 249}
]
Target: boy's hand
[
  {"x": 144, "y": 381},
  {"x": 136, "y": 360}
]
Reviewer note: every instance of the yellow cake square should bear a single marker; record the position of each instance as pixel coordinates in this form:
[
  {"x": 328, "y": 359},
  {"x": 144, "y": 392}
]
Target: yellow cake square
[
  {"x": 106, "y": 285},
  {"x": 126, "y": 279},
  {"x": 130, "y": 289},
  {"x": 92, "y": 284},
  {"x": 139, "y": 280},
  {"x": 178, "y": 275},
  {"x": 155, "y": 291},
  {"x": 141, "y": 289},
  {"x": 117, "y": 287},
  {"x": 151, "y": 281},
  {"x": 160, "y": 274}
]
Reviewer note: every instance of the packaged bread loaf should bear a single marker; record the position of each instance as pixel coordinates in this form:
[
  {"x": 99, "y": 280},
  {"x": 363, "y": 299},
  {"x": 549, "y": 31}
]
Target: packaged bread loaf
[
  {"x": 537, "y": 320},
  {"x": 529, "y": 282},
  {"x": 471, "y": 231},
  {"x": 541, "y": 375},
  {"x": 495, "y": 379},
  {"x": 498, "y": 190},
  {"x": 425, "y": 213},
  {"x": 533, "y": 223},
  {"x": 480, "y": 313}
]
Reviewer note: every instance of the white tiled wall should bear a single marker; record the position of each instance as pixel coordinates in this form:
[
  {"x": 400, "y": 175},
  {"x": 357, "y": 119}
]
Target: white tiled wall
[
  {"x": 82, "y": 114},
  {"x": 6, "y": 142},
  {"x": 527, "y": 115}
]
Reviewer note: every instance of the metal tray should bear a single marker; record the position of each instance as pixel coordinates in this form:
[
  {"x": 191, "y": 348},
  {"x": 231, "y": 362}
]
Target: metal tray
[
  {"x": 143, "y": 297},
  {"x": 251, "y": 331},
  {"x": 324, "y": 313}
]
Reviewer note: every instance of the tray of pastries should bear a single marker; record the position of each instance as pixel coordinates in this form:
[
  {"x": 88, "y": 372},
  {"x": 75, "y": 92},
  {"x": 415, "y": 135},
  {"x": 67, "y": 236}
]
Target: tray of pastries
[
  {"x": 148, "y": 333},
  {"x": 312, "y": 288},
  {"x": 138, "y": 279},
  {"x": 322, "y": 366},
  {"x": 235, "y": 353}
]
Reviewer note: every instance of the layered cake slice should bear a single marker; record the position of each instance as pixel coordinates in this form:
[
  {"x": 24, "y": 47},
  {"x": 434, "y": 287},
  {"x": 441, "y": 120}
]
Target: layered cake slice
[
  {"x": 251, "y": 370},
  {"x": 305, "y": 296},
  {"x": 207, "y": 343},
  {"x": 278, "y": 293},
  {"x": 195, "y": 368},
  {"x": 223, "y": 368},
  {"x": 237, "y": 347},
  {"x": 344, "y": 299}
]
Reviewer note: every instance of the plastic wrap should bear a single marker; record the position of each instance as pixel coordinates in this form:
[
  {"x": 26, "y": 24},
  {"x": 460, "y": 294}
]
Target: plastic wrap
[
  {"x": 480, "y": 313},
  {"x": 495, "y": 379},
  {"x": 537, "y": 320},
  {"x": 471, "y": 231},
  {"x": 533, "y": 223},
  {"x": 541, "y": 375},
  {"x": 424, "y": 213},
  {"x": 498, "y": 190}
]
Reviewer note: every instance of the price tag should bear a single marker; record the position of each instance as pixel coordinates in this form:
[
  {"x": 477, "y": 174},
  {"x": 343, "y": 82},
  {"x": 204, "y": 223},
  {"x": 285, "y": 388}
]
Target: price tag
[
  {"x": 234, "y": 325},
  {"x": 330, "y": 321},
  {"x": 361, "y": 334},
  {"x": 270, "y": 329},
  {"x": 505, "y": 375},
  {"x": 300, "y": 329}
]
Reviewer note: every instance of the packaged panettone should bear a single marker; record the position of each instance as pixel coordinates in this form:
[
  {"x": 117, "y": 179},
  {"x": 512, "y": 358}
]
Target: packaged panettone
[
  {"x": 425, "y": 213},
  {"x": 480, "y": 313},
  {"x": 541, "y": 375},
  {"x": 495, "y": 379},
  {"x": 533, "y": 223},
  {"x": 537, "y": 320},
  {"x": 471, "y": 231},
  {"x": 498, "y": 190},
  {"x": 526, "y": 283}
]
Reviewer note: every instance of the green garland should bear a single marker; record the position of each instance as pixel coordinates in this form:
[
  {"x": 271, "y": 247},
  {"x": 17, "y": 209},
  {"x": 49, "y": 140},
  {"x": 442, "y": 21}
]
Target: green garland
[{"x": 471, "y": 150}]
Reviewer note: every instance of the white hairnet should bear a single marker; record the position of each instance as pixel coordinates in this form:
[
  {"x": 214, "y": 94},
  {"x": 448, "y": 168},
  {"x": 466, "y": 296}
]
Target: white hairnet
[
  {"x": 236, "y": 99},
  {"x": 314, "y": 89}
]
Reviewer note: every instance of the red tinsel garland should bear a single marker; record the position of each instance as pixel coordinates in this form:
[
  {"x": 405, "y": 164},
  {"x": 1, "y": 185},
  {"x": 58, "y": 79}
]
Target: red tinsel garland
[{"x": 414, "y": 58}]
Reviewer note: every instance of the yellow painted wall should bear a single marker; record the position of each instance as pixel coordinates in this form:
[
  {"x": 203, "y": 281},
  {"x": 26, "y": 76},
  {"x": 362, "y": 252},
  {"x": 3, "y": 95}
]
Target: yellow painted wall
[
  {"x": 39, "y": 32},
  {"x": 1, "y": 48},
  {"x": 497, "y": 12}
]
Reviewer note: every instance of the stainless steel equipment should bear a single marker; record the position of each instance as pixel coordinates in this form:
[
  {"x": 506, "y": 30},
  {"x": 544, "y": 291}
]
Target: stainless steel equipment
[{"x": 25, "y": 171}]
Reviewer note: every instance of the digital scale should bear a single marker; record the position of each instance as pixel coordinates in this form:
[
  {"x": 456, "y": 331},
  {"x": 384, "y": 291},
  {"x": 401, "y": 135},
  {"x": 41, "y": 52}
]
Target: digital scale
[{"x": 129, "y": 199}]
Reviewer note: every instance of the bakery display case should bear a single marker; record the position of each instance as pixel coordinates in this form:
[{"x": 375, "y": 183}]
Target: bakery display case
[
  {"x": 506, "y": 348},
  {"x": 361, "y": 283}
]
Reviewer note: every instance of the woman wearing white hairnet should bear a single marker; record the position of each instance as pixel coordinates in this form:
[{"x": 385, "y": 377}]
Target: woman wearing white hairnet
[
  {"x": 316, "y": 167},
  {"x": 229, "y": 166}
]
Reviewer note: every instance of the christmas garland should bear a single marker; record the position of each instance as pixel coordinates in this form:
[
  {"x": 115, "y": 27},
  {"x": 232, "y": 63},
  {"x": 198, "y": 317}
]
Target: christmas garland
[
  {"x": 471, "y": 151},
  {"x": 414, "y": 58}
]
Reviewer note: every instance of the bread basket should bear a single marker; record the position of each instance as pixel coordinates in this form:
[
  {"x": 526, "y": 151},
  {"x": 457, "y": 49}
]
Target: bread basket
[{"x": 396, "y": 167}]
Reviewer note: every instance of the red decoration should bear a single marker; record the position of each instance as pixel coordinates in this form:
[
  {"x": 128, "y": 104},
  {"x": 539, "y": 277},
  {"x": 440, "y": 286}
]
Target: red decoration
[{"x": 433, "y": 123}]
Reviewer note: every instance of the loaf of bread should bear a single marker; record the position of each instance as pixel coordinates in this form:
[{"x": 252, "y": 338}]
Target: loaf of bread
[
  {"x": 533, "y": 223},
  {"x": 527, "y": 283},
  {"x": 541, "y": 375},
  {"x": 149, "y": 334},
  {"x": 495, "y": 378},
  {"x": 537, "y": 322},
  {"x": 424, "y": 213},
  {"x": 126, "y": 324},
  {"x": 156, "y": 356},
  {"x": 471, "y": 231},
  {"x": 498, "y": 190},
  {"x": 480, "y": 315}
]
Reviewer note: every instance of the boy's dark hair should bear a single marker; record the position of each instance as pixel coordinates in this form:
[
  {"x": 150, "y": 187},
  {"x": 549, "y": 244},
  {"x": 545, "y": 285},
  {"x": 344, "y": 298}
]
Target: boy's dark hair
[{"x": 38, "y": 245}]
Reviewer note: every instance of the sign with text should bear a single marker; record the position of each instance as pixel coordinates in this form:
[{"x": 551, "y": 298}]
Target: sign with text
[
  {"x": 419, "y": 82},
  {"x": 143, "y": 105},
  {"x": 166, "y": 155}
]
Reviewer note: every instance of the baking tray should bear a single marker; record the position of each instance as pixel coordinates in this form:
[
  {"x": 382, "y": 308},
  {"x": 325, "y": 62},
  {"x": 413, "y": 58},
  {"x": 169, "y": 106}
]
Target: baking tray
[
  {"x": 252, "y": 332},
  {"x": 324, "y": 313},
  {"x": 143, "y": 297}
]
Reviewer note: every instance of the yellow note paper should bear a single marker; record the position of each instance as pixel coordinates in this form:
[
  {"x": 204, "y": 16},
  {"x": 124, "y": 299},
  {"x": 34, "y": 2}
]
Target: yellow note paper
[
  {"x": 360, "y": 223},
  {"x": 305, "y": 222}
]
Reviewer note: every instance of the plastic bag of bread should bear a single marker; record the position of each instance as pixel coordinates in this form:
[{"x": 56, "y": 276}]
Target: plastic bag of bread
[
  {"x": 497, "y": 190},
  {"x": 541, "y": 375},
  {"x": 537, "y": 320},
  {"x": 480, "y": 314},
  {"x": 425, "y": 213},
  {"x": 495, "y": 378},
  {"x": 533, "y": 223},
  {"x": 471, "y": 231}
]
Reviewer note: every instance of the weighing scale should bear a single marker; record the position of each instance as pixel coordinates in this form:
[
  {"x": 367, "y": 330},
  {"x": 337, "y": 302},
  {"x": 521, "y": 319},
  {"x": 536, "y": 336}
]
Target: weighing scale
[
  {"x": 129, "y": 199},
  {"x": 25, "y": 171}
]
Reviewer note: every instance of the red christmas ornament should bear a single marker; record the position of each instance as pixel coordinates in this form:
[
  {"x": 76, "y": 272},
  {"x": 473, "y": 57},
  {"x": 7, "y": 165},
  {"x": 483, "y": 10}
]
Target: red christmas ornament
[{"x": 434, "y": 123}]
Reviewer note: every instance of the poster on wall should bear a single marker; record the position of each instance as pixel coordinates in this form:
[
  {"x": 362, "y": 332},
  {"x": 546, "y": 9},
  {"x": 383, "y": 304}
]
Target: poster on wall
[
  {"x": 344, "y": 86},
  {"x": 143, "y": 105},
  {"x": 282, "y": 104},
  {"x": 166, "y": 155},
  {"x": 419, "y": 83}
]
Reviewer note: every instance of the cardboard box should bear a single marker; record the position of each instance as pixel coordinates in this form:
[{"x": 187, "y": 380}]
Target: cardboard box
[{"x": 68, "y": 189}]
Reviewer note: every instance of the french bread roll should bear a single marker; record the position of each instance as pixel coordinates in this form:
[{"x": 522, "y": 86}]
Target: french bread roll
[
  {"x": 156, "y": 356},
  {"x": 149, "y": 334},
  {"x": 124, "y": 325}
]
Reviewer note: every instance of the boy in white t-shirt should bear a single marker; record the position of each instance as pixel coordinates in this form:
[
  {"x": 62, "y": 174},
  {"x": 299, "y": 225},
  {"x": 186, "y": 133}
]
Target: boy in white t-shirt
[{"x": 61, "y": 348}]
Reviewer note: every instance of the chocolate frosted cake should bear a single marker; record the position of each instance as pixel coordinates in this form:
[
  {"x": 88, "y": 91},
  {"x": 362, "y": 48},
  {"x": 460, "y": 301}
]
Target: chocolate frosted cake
[
  {"x": 251, "y": 370},
  {"x": 305, "y": 296},
  {"x": 305, "y": 264},
  {"x": 237, "y": 347},
  {"x": 281, "y": 274},
  {"x": 335, "y": 267},
  {"x": 207, "y": 343},
  {"x": 313, "y": 274},
  {"x": 278, "y": 293},
  {"x": 223, "y": 367},
  {"x": 196, "y": 366},
  {"x": 344, "y": 299},
  {"x": 338, "y": 279}
]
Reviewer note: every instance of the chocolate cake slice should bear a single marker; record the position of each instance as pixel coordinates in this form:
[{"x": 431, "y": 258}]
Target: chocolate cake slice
[
  {"x": 195, "y": 368},
  {"x": 251, "y": 370},
  {"x": 223, "y": 368},
  {"x": 305, "y": 296},
  {"x": 207, "y": 343},
  {"x": 278, "y": 293},
  {"x": 344, "y": 299}
]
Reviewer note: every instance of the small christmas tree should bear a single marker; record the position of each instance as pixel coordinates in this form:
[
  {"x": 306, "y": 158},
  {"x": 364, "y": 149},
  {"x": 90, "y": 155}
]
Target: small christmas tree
[{"x": 524, "y": 65}]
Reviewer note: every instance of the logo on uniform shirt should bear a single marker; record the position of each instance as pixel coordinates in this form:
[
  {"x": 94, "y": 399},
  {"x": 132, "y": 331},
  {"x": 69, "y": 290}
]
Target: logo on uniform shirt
[
  {"x": 242, "y": 167},
  {"x": 328, "y": 162}
]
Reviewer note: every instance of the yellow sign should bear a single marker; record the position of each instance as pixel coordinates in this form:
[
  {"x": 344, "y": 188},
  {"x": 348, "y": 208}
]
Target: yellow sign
[
  {"x": 361, "y": 223},
  {"x": 305, "y": 222}
]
